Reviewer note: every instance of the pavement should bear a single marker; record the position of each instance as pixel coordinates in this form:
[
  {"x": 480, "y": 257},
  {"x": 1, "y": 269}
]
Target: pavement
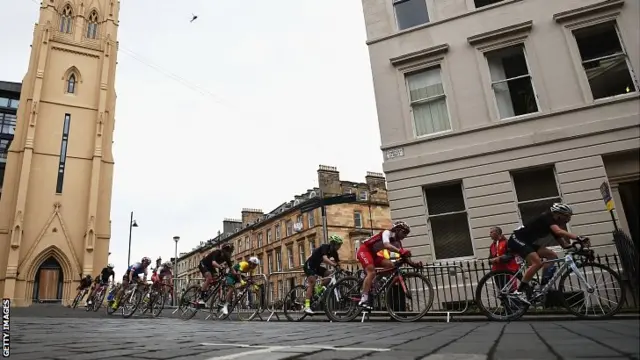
[{"x": 75, "y": 335}]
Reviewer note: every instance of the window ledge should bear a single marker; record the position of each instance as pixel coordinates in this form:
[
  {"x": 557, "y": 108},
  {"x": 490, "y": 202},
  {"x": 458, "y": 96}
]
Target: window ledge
[
  {"x": 587, "y": 10},
  {"x": 540, "y": 115},
  {"x": 500, "y": 33},
  {"x": 420, "y": 54},
  {"x": 438, "y": 22}
]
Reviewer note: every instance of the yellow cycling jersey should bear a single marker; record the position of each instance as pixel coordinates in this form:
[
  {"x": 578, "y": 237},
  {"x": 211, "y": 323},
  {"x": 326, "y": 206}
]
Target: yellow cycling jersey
[{"x": 244, "y": 267}]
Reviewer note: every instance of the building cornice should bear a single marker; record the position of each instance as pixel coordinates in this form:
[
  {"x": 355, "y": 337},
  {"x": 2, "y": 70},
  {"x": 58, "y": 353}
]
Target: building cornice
[
  {"x": 588, "y": 10},
  {"x": 420, "y": 54},
  {"x": 500, "y": 33}
]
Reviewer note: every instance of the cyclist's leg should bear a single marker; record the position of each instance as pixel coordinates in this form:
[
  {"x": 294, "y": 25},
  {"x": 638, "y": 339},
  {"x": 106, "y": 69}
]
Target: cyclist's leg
[
  {"x": 207, "y": 273},
  {"x": 311, "y": 283},
  {"x": 93, "y": 290},
  {"x": 365, "y": 257},
  {"x": 325, "y": 273},
  {"x": 528, "y": 252},
  {"x": 549, "y": 267},
  {"x": 125, "y": 285},
  {"x": 231, "y": 281}
]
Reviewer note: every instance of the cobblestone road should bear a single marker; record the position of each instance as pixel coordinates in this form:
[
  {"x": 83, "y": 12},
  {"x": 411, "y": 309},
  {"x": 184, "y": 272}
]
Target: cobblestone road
[{"x": 73, "y": 338}]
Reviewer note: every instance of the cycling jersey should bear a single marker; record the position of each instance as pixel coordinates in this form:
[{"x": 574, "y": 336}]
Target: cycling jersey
[
  {"x": 85, "y": 282},
  {"x": 317, "y": 255},
  {"x": 105, "y": 274},
  {"x": 219, "y": 257},
  {"x": 377, "y": 241},
  {"x": 136, "y": 269},
  {"x": 537, "y": 228}
]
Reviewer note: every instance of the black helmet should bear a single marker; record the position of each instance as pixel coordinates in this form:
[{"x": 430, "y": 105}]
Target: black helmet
[{"x": 227, "y": 247}]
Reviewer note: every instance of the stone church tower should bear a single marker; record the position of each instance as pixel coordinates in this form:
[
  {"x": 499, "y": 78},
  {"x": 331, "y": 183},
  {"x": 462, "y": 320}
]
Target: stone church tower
[{"x": 56, "y": 199}]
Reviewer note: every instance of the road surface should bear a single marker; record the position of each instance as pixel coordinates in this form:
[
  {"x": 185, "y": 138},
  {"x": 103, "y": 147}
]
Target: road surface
[{"x": 78, "y": 336}]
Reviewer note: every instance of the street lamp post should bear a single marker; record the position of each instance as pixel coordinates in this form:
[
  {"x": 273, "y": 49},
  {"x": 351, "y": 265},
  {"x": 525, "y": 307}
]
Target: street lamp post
[
  {"x": 175, "y": 271},
  {"x": 132, "y": 224},
  {"x": 372, "y": 192}
]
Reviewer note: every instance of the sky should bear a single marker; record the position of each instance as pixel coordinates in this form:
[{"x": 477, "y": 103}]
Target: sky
[{"x": 234, "y": 110}]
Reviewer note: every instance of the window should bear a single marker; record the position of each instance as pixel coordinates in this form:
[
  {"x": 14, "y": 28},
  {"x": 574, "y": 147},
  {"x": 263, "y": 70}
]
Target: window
[
  {"x": 63, "y": 153},
  {"x": 278, "y": 259},
  {"x": 290, "y": 256},
  {"x": 357, "y": 220},
  {"x": 260, "y": 266},
  {"x": 4, "y": 148},
  {"x": 347, "y": 191},
  {"x": 363, "y": 195},
  {"x": 449, "y": 222},
  {"x": 270, "y": 262},
  {"x": 511, "y": 82},
  {"x": 301, "y": 253},
  {"x": 259, "y": 240},
  {"x": 269, "y": 238},
  {"x": 92, "y": 25},
  {"x": 312, "y": 245},
  {"x": 311, "y": 219},
  {"x": 410, "y": 13},
  {"x": 247, "y": 243},
  {"x": 281, "y": 289},
  {"x": 483, "y": 3},
  {"x": 66, "y": 19},
  {"x": 300, "y": 221},
  {"x": 428, "y": 102},
  {"x": 7, "y": 124},
  {"x": 536, "y": 191},
  {"x": 9, "y": 103},
  {"x": 278, "y": 231},
  {"x": 239, "y": 244},
  {"x": 289, "y": 227},
  {"x": 605, "y": 60},
  {"x": 71, "y": 84}
]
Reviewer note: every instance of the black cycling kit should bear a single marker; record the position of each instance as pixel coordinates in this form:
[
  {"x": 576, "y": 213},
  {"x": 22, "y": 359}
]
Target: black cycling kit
[
  {"x": 105, "y": 274},
  {"x": 220, "y": 257},
  {"x": 312, "y": 265},
  {"x": 523, "y": 238}
]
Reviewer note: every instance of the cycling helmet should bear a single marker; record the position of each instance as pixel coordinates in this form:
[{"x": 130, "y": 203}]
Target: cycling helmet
[
  {"x": 254, "y": 260},
  {"x": 335, "y": 239},
  {"x": 110, "y": 266},
  {"x": 227, "y": 247},
  {"x": 146, "y": 259},
  {"x": 402, "y": 226},
  {"x": 168, "y": 265},
  {"x": 563, "y": 209}
]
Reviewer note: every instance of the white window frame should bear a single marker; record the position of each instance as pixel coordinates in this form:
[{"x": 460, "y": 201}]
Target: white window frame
[
  {"x": 358, "y": 215},
  {"x": 466, "y": 211},
  {"x": 259, "y": 239},
  {"x": 301, "y": 253},
  {"x": 278, "y": 231},
  {"x": 290, "y": 257},
  {"x": 270, "y": 262},
  {"x": 363, "y": 195},
  {"x": 529, "y": 75},
  {"x": 288, "y": 227},
  {"x": 312, "y": 245},
  {"x": 311, "y": 219},
  {"x": 406, "y": 73},
  {"x": 278, "y": 259},
  {"x": 395, "y": 14},
  {"x": 269, "y": 236}
]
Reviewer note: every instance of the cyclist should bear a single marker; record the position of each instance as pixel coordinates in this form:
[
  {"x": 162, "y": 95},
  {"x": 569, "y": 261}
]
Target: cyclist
[
  {"x": 210, "y": 263},
  {"x": 101, "y": 279},
  {"x": 367, "y": 255},
  {"x": 85, "y": 282},
  {"x": 522, "y": 241},
  {"x": 242, "y": 267},
  {"x": 312, "y": 267},
  {"x": 132, "y": 274}
]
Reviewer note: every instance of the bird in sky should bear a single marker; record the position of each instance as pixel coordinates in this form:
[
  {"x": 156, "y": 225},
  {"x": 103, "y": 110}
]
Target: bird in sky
[{"x": 193, "y": 18}]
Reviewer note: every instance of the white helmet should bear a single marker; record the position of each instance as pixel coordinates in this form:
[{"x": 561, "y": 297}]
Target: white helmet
[
  {"x": 168, "y": 265},
  {"x": 254, "y": 260},
  {"x": 561, "y": 208},
  {"x": 110, "y": 266}
]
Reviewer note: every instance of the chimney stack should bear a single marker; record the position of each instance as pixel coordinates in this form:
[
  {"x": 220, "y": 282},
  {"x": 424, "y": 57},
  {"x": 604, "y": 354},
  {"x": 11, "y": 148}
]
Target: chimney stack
[{"x": 329, "y": 180}]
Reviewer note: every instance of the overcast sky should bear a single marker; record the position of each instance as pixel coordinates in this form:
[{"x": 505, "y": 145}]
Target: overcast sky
[{"x": 274, "y": 89}]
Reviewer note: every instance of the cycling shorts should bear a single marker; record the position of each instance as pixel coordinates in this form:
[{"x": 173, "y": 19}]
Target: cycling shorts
[
  {"x": 206, "y": 268},
  {"x": 311, "y": 271},
  {"x": 367, "y": 257},
  {"x": 520, "y": 247}
]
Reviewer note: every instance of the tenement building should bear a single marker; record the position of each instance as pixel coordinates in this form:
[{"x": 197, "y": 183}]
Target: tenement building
[
  {"x": 283, "y": 238},
  {"x": 9, "y": 100},
  {"x": 489, "y": 111},
  {"x": 56, "y": 194}
]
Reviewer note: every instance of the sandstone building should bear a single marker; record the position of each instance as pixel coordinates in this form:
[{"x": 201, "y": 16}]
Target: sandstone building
[{"x": 56, "y": 195}]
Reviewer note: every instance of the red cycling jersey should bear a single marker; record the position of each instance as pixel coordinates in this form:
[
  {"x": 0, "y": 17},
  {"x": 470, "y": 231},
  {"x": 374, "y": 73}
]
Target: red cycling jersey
[{"x": 367, "y": 252}]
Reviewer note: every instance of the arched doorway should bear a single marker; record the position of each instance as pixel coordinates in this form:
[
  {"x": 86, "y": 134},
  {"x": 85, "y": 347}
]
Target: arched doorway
[{"x": 47, "y": 286}]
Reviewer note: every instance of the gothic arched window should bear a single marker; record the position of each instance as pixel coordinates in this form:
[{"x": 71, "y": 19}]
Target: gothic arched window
[
  {"x": 66, "y": 19},
  {"x": 71, "y": 84},
  {"x": 92, "y": 25}
]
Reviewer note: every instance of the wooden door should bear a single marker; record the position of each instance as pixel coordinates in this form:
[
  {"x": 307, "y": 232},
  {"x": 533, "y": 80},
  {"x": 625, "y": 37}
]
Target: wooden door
[{"x": 48, "y": 284}]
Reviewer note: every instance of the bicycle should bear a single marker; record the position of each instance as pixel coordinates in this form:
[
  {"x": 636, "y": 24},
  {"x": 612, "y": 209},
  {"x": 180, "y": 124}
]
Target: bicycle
[
  {"x": 389, "y": 287},
  {"x": 293, "y": 304},
  {"x": 130, "y": 299},
  {"x": 577, "y": 257},
  {"x": 156, "y": 297},
  {"x": 239, "y": 297},
  {"x": 79, "y": 297},
  {"x": 191, "y": 296},
  {"x": 98, "y": 297},
  {"x": 111, "y": 298}
]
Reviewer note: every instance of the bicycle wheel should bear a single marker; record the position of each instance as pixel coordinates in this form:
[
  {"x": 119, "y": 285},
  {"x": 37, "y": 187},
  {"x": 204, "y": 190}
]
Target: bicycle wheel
[
  {"x": 407, "y": 302},
  {"x": 77, "y": 299},
  {"x": 99, "y": 299},
  {"x": 501, "y": 284},
  {"x": 131, "y": 303},
  {"x": 341, "y": 304},
  {"x": 294, "y": 303},
  {"x": 189, "y": 302},
  {"x": 247, "y": 305},
  {"x": 157, "y": 305},
  {"x": 599, "y": 299}
]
